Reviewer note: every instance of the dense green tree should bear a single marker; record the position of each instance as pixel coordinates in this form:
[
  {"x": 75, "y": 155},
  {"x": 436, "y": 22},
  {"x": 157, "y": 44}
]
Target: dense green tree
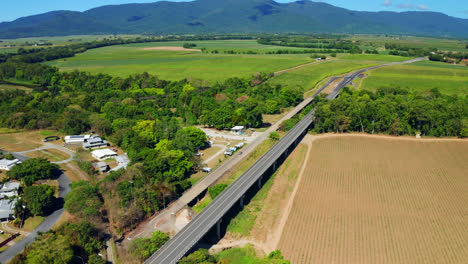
[
  {"x": 100, "y": 124},
  {"x": 274, "y": 136},
  {"x": 83, "y": 200},
  {"x": 143, "y": 248},
  {"x": 196, "y": 135},
  {"x": 40, "y": 199},
  {"x": 271, "y": 107},
  {"x": 83, "y": 236},
  {"x": 75, "y": 122},
  {"x": 200, "y": 256},
  {"x": 50, "y": 249},
  {"x": 32, "y": 170}
]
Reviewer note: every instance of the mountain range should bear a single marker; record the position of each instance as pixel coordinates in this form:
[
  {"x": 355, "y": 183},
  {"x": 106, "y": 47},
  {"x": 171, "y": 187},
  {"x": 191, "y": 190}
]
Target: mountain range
[{"x": 232, "y": 16}]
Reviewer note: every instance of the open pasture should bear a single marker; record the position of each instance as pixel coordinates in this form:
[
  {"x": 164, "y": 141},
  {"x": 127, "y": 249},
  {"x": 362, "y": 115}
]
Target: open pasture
[
  {"x": 130, "y": 59},
  {"x": 420, "y": 77},
  {"x": 366, "y": 199}
]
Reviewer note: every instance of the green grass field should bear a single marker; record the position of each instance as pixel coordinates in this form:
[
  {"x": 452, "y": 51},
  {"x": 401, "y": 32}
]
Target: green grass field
[
  {"x": 175, "y": 65},
  {"x": 309, "y": 77},
  {"x": 414, "y": 42},
  {"x": 420, "y": 77}
]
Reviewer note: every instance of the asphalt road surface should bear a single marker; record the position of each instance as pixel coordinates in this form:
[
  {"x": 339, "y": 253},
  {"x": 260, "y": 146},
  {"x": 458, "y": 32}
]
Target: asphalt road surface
[{"x": 183, "y": 241}]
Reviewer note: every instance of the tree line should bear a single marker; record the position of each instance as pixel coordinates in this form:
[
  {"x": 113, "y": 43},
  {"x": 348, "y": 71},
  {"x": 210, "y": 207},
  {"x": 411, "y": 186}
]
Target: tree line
[
  {"x": 334, "y": 45},
  {"x": 393, "y": 111}
]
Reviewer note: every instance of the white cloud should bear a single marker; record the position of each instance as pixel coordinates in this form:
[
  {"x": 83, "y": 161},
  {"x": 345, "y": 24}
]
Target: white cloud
[
  {"x": 411, "y": 6},
  {"x": 387, "y": 3},
  {"x": 422, "y": 7},
  {"x": 405, "y": 6}
]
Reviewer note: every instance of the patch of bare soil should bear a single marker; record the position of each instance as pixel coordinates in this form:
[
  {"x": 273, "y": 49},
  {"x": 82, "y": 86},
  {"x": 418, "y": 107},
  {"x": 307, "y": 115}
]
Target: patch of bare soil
[{"x": 171, "y": 49}]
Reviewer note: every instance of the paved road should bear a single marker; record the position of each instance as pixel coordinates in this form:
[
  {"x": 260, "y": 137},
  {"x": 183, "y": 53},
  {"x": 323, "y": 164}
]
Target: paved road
[
  {"x": 48, "y": 222},
  {"x": 183, "y": 241}
]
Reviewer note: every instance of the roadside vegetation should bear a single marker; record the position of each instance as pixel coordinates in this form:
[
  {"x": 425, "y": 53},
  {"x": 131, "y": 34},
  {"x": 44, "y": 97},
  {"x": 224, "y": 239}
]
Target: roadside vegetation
[{"x": 246, "y": 255}]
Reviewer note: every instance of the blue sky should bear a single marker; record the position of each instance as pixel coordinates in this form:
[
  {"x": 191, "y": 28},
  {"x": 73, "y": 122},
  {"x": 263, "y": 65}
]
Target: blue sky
[{"x": 11, "y": 10}]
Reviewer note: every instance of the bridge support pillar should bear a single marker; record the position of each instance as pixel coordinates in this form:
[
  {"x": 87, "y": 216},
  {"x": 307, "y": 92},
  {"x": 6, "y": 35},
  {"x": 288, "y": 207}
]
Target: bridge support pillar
[
  {"x": 274, "y": 166},
  {"x": 241, "y": 201},
  {"x": 260, "y": 183},
  {"x": 218, "y": 228}
]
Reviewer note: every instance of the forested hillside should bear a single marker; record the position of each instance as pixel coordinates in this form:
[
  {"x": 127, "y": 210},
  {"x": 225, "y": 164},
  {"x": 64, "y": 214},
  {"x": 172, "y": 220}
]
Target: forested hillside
[{"x": 232, "y": 16}]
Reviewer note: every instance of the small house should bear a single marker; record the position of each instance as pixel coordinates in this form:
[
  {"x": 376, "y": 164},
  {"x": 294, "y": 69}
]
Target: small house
[
  {"x": 101, "y": 166},
  {"x": 102, "y": 154},
  {"x": 238, "y": 130},
  {"x": 7, "y": 209},
  {"x": 8, "y": 164}
]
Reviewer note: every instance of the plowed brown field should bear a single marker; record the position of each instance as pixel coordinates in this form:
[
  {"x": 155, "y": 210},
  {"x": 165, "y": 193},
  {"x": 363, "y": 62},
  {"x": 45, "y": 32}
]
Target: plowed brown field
[{"x": 379, "y": 200}]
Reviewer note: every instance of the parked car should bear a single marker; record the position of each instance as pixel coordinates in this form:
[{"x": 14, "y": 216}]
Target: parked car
[
  {"x": 206, "y": 169},
  {"x": 229, "y": 153}
]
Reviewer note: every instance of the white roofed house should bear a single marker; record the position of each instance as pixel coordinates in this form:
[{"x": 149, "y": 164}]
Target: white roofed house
[
  {"x": 102, "y": 154},
  {"x": 8, "y": 164},
  {"x": 76, "y": 139}
]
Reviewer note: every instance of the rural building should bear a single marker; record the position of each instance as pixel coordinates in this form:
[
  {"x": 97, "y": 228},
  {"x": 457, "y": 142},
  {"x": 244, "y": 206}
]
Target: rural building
[
  {"x": 8, "y": 164},
  {"x": 238, "y": 130},
  {"x": 76, "y": 139},
  {"x": 102, "y": 154},
  {"x": 9, "y": 189},
  {"x": 95, "y": 142},
  {"x": 101, "y": 166},
  {"x": 6, "y": 209}
]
